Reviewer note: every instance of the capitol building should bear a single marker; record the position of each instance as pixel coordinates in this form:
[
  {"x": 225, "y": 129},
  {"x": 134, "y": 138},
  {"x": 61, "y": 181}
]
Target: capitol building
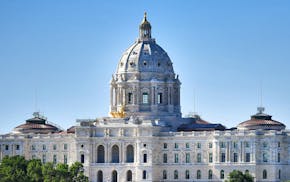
[{"x": 145, "y": 137}]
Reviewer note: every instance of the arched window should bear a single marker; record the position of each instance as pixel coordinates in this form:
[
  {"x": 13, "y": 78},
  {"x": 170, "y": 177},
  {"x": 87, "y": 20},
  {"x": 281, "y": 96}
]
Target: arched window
[
  {"x": 129, "y": 175},
  {"x": 144, "y": 174},
  {"x": 198, "y": 174},
  {"x": 101, "y": 154},
  {"x": 265, "y": 157},
  {"x": 264, "y": 174},
  {"x": 115, "y": 154},
  {"x": 144, "y": 158},
  {"x": 114, "y": 176},
  {"x": 100, "y": 176},
  {"x": 175, "y": 174},
  {"x": 222, "y": 174},
  {"x": 209, "y": 174},
  {"x": 130, "y": 153},
  {"x": 187, "y": 174},
  {"x": 164, "y": 174}
]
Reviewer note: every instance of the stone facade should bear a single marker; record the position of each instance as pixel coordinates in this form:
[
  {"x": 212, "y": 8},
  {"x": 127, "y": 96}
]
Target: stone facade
[{"x": 148, "y": 144}]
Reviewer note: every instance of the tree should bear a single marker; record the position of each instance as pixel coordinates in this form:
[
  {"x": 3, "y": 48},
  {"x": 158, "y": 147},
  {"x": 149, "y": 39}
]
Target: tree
[
  {"x": 13, "y": 169},
  {"x": 48, "y": 172},
  {"x": 238, "y": 176},
  {"x": 77, "y": 172},
  {"x": 62, "y": 173},
  {"x": 34, "y": 170}
]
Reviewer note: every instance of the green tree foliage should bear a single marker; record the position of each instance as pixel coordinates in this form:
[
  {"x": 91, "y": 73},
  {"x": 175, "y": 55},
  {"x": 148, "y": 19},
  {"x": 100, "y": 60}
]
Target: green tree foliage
[
  {"x": 238, "y": 176},
  {"x": 34, "y": 170},
  {"x": 17, "y": 169}
]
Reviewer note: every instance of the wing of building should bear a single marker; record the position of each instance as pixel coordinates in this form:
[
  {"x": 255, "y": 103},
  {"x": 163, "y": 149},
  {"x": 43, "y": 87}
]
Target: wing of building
[{"x": 145, "y": 137}]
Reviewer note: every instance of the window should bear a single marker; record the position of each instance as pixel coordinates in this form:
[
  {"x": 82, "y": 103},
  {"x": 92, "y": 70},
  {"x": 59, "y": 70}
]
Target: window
[
  {"x": 176, "y": 145},
  {"x": 164, "y": 158},
  {"x": 248, "y": 157},
  {"x": 247, "y": 145},
  {"x": 165, "y": 145},
  {"x": 159, "y": 98},
  {"x": 114, "y": 176},
  {"x": 145, "y": 98},
  {"x": 187, "y": 145},
  {"x": 43, "y": 158},
  {"x": 65, "y": 146},
  {"x": 235, "y": 145},
  {"x": 264, "y": 174},
  {"x": 130, "y": 98},
  {"x": 247, "y": 171},
  {"x": 17, "y": 147},
  {"x": 100, "y": 176},
  {"x": 6, "y": 147},
  {"x": 101, "y": 154},
  {"x": 265, "y": 145},
  {"x": 187, "y": 174},
  {"x": 198, "y": 145},
  {"x": 65, "y": 159},
  {"x": 33, "y": 156},
  {"x": 164, "y": 174},
  {"x": 54, "y": 147},
  {"x": 175, "y": 174},
  {"x": 278, "y": 157},
  {"x": 130, "y": 153},
  {"x": 210, "y": 174},
  {"x": 198, "y": 174},
  {"x": 279, "y": 174},
  {"x": 129, "y": 175},
  {"x": 144, "y": 175},
  {"x": 235, "y": 157},
  {"x": 223, "y": 157},
  {"x": 222, "y": 174},
  {"x": 144, "y": 158},
  {"x": 82, "y": 158},
  {"x": 199, "y": 157},
  {"x": 175, "y": 158},
  {"x": 279, "y": 144},
  {"x": 265, "y": 158},
  {"x": 210, "y": 145},
  {"x": 187, "y": 158},
  {"x": 43, "y": 147},
  {"x": 54, "y": 159},
  {"x": 223, "y": 145},
  {"x": 115, "y": 154},
  {"x": 210, "y": 157},
  {"x": 33, "y": 147}
]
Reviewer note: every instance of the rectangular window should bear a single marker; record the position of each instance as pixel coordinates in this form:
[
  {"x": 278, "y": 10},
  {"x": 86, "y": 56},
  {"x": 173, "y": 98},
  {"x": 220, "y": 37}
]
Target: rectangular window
[
  {"x": 65, "y": 146},
  {"x": 278, "y": 157},
  {"x": 210, "y": 157},
  {"x": 165, "y": 145},
  {"x": 130, "y": 98},
  {"x": 32, "y": 147},
  {"x": 33, "y": 156},
  {"x": 6, "y": 147},
  {"x": 235, "y": 145},
  {"x": 43, "y": 158},
  {"x": 223, "y": 157},
  {"x": 54, "y": 147},
  {"x": 187, "y": 158},
  {"x": 187, "y": 145},
  {"x": 17, "y": 147},
  {"x": 145, "y": 98},
  {"x": 65, "y": 159},
  {"x": 235, "y": 157},
  {"x": 248, "y": 157},
  {"x": 175, "y": 158},
  {"x": 82, "y": 158},
  {"x": 176, "y": 145},
  {"x": 159, "y": 98},
  {"x": 164, "y": 158},
  {"x": 222, "y": 145},
  {"x": 54, "y": 159},
  {"x": 247, "y": 144},
  {"x": 265, "y": 158},
  {"x": 210, "y": 145},
  {"x": 198, "y": 145},
  {"x": 43, "y": 147},
  {"x": 145, "y": 158},
  {"x": 199, "y": 157},
  {"x": 279, "y": 145}
]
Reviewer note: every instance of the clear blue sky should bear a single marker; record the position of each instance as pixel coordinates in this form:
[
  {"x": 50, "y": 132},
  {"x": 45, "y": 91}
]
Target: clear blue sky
[{"x": 66, "y": 52}]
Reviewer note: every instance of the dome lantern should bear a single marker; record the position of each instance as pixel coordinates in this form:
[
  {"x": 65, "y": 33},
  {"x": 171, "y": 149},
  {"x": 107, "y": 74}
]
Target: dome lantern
[{"x": 145, "y": 29}]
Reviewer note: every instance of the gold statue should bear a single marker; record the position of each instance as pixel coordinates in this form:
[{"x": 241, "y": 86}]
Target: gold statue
[{"x": 119, "y": 114}]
